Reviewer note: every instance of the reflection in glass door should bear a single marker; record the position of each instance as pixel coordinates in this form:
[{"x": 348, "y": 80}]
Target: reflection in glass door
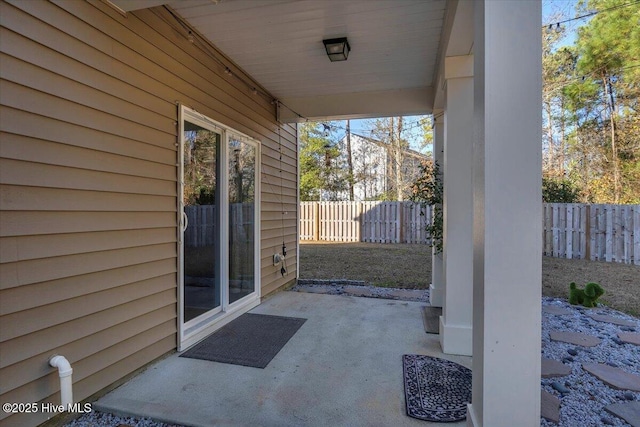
[
  {"x": 242, "y": 199},
  {"x": 201, "y": 221}
]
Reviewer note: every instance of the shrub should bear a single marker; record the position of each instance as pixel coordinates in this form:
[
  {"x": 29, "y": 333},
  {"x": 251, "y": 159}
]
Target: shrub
[
  {"x": 559, "y": 191},
  {"x": 428, "y": 190}
]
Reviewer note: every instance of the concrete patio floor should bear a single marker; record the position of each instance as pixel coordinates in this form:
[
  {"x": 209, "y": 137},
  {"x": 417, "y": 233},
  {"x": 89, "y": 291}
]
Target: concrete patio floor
[{"x": 342, "y": 368}]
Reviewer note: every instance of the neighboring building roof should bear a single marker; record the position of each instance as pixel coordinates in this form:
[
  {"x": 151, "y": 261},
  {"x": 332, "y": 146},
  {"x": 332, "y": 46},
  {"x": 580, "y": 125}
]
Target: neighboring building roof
[{"x": 407, "y": 151}]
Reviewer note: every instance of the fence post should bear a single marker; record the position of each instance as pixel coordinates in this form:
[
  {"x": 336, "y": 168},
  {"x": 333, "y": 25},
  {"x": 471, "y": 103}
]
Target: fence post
[
  {"x": 316, "y": 221},
  {"x": 401, "y": 221},
  {"x": 359, "y": 222}
]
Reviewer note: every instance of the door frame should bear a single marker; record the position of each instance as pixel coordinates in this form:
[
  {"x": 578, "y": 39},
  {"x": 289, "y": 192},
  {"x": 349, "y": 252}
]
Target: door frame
[{"x": 196, "y": 329}]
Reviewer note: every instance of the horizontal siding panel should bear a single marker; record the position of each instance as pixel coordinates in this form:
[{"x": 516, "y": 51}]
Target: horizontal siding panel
[
  {"x": 37, "y": 367},
  {"x": 49, "y": 59},
  {"x": 171, "y": 85},
  {"x": 275, "y": 210},
  {"x": 288, "y": 166},
  {"x": 107, "y": 357},
  {"x": 277, "y": 222},
  {"x": 22, "y": 297},
  {"x": 272, "y": 197},
  {"x": 288, "y": 178},
  {"x": 279, "y": 283},
  {"x": 41, "y": 270},
  {"x": 266, "y": 253},
  {"x": 17, "y": 198},
  {"x": 269, "y": 271},
  {"x": 41, "y": 175},
  {"x": 54, "y": 153},
  {"x": 276, "y": 243},
  {"x": 45, "y": 81},
  {"x": 274, "y": 150},
  {"x": 98, "y": 381},
  {"x": 271, "y": 234},
  {"x": 24, "y": 248},
  {"x": 56, "y": 336},
  {"x": 271, "y": 186},
  {"x": 178, "y": 49},
  {"x": 27, "y": 321},
  {"x": 27, "y": 99},
  {"x": 45, "y": 128},
  {"x": 34, "y": 223},
  {"x": 189, "y": 72}
]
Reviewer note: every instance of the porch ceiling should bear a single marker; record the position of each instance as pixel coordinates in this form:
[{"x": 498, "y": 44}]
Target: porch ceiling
[{"x": 394, "y": 50}]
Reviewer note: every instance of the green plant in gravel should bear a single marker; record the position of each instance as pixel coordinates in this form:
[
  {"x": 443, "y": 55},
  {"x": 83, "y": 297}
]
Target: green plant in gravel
[
  {"x": 588, "y": 296},
  {"x": 428, "y": 190}
]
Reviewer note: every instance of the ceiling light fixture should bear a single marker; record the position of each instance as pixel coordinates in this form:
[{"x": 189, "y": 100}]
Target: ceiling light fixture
[{"x": 337, "y": 49}]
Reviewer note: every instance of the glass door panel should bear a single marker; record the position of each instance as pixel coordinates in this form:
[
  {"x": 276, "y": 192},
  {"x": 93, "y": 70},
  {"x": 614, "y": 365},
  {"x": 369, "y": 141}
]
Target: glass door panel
[
  {"x": 201, "y": 230},
  {"x": 242, "y": 198}
]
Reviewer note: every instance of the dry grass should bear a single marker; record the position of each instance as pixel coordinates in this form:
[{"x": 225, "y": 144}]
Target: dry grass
[{"x": 409, "y": 266}]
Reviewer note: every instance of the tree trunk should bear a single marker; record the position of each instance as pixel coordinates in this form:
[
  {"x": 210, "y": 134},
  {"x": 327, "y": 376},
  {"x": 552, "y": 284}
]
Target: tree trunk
[
  {"x": 551, "y": 148},
  {"x": 349, "y": 161},
  {"x": 612, "y": 124},
  {"x": 398, "y": 162}
]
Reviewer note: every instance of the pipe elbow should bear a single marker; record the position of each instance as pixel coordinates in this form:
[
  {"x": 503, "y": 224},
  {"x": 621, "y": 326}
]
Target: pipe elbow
[{"x": 63, "y": 365}]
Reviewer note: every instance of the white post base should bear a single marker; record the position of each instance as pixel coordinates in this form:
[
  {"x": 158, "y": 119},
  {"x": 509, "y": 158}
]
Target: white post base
[
  {"x": 456, "y": 339},
  {"x": 472, "y": 419},
  {"x": 436, "y": 296}
]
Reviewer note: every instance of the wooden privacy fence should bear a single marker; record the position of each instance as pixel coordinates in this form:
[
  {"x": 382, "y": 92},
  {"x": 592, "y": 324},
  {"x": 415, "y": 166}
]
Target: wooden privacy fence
[
  {"x": 375, "y": 222},
  {"x": 201, "y": 230},
  {"x": 570, "y": 230},
  {"x": 595, "y": 232}
]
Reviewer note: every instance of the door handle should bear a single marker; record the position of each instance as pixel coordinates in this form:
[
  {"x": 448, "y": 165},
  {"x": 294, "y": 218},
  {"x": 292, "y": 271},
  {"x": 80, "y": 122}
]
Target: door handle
[{"x": 185, "y": 221}]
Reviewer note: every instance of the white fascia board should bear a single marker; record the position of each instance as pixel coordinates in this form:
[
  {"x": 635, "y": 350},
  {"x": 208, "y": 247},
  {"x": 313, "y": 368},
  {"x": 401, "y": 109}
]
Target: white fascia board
[{"x": 400, "y": 102}]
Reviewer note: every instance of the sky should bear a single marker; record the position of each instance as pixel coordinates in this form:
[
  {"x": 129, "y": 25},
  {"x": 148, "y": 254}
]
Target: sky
[
  {"x": 552, "y": 12},
  {"x": 558, "y": 10}
]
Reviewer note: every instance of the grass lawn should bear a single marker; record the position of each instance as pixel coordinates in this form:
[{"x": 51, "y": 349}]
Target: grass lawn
[{"x": 409, "y": 266}]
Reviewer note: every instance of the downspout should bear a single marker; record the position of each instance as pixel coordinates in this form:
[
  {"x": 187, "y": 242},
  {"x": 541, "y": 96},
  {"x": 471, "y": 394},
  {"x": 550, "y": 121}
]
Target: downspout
[{"x": 66, "y": 385}]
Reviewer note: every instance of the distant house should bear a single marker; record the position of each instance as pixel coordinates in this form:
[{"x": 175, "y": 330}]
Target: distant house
[{"x": 374, "y": 168}]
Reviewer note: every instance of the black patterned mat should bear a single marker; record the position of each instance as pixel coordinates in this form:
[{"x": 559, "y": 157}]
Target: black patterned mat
[
  {"x": 250, "y": 340},
  {"x": 436, "y": 389}
]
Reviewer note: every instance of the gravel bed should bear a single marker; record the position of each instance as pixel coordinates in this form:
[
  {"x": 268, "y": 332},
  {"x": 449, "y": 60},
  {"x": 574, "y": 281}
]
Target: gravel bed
[
  {"x": 103, "y": 419},
  {"x": 357, "y": 288},
  {"x": 584, "y": 404}
]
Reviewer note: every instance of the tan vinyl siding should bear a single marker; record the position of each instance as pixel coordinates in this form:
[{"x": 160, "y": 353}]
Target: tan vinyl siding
[{"x": 88, "y": 188}]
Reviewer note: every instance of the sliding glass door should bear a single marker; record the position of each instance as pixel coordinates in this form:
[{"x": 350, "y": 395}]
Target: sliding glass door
[
  {"x": 219, "y": 217},
  {"x": 201, "y": 220},
  {"x": 242, "y": 185}
]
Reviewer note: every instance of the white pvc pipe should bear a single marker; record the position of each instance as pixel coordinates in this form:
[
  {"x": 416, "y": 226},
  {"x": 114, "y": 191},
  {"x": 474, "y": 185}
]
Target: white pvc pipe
[{"x": 66, "y": 385}]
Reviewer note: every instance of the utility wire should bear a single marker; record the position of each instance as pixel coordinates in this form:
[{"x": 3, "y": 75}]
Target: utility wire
[
  {"x": 561, "y": 84},
  {"x": 620, "y": 6}
]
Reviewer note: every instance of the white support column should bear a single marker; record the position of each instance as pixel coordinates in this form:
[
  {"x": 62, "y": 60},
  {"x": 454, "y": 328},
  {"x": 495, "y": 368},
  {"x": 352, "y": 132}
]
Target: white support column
[
  {"x": 507, "y": 215},
  {"x": 436, "y": 290},
  {"x": 456, "y": 322}
]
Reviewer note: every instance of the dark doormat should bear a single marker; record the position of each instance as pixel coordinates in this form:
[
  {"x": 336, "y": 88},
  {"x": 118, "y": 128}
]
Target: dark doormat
[
  {"x": 250, "y": 340},
  {"x": 431, "y": 319},
  {"x": 436, "y": 389}
]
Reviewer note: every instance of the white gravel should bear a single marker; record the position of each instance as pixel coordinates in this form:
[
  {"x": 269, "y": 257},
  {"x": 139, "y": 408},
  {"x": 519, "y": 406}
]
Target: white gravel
[{"x": 588, "y": 396}]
